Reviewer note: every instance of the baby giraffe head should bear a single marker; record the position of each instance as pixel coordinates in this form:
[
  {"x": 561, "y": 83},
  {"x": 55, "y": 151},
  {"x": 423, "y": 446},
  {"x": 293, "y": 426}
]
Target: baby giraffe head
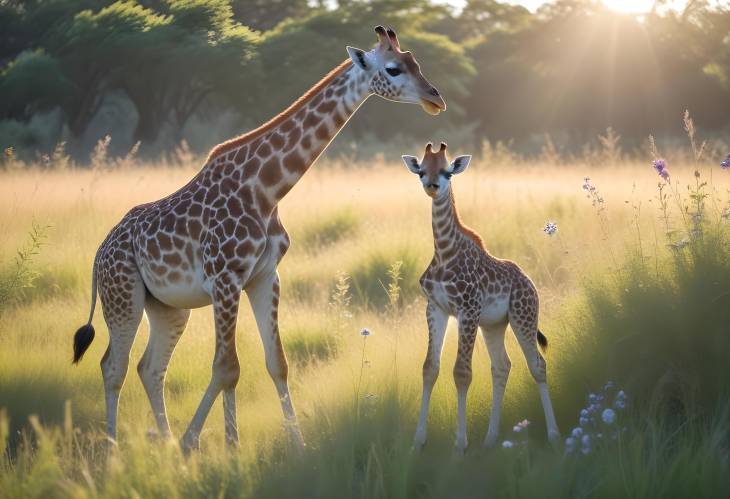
[
  {"x": 395, "y": 75},
  {"x": 435, "y": 170}
]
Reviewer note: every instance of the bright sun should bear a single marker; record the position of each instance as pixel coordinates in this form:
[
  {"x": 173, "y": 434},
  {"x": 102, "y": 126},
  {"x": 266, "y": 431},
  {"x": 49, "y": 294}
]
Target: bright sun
[{"x": 629, "y": 6}]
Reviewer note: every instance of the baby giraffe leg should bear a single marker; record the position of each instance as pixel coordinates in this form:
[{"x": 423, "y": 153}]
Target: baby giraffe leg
[
  {"x": 527, "y": 338},
  {"x": 501, "y": 365},
  {"x": 437, "y": 320},
  {"x": 463, "y": 375}
]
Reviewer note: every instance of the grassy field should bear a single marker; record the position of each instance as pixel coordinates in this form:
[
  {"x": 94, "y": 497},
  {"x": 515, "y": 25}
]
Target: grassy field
[{"x": 619, "y": 304}]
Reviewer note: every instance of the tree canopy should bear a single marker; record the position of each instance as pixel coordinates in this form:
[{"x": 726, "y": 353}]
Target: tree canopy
[{"x": 573, "y": 67}]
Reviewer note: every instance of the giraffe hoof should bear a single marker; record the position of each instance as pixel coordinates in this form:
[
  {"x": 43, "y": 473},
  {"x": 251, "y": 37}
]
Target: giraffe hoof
[
  {"x": 490, "y": 440},
  {"x": 419, "y": 441},
  {"x": 190, "y": 443}
]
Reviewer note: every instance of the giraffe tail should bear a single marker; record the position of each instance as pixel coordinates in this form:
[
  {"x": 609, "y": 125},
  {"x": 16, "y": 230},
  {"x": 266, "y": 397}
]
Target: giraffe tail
[
  {"x": 85, "y": 334},
  {"x": 542, "y": 341}
]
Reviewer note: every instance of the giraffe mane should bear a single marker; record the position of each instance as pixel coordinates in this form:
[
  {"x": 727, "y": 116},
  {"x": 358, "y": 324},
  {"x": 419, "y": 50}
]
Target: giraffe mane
[
  {"x": 467, "y": 231},
  {"x": 279, "y": 118}
]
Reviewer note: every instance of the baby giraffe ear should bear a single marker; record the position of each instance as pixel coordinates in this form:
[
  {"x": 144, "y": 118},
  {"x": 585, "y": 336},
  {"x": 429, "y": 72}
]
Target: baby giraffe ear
[
  {"x": 358, "y": 57},
  {"x": 412, "y": 163},
  {"x": 460, "y": 163}
]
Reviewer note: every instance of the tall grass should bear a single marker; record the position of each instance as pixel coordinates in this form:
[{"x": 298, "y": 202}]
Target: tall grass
[{"x": 651, "y": 316}]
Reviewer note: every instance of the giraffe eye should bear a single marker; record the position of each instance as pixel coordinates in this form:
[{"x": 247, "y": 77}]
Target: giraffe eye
[
  {"x": 447, "y": 175},
  {"x": 394, "y": 71},
  {"x": 421, "y": 174}
]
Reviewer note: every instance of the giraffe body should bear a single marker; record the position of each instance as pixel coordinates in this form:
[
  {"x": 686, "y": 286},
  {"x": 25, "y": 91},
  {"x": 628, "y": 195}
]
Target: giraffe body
[
  {"x": 481, "y": 291},
  {"x": 220, "y": 235}
]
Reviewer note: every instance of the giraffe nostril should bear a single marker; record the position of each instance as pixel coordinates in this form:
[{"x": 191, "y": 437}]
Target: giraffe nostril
[
  {"x": 434, "y": 92},
  {"x": 433, "y": 186}
]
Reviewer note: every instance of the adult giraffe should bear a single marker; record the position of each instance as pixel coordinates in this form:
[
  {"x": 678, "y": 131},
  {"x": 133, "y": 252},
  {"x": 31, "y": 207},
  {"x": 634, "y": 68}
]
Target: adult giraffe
[{"x": 221, "y": 234}]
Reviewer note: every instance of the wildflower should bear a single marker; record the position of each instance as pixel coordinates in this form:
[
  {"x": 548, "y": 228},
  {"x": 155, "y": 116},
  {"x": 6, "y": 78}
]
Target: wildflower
[
  {"x": 570, "y": 444},
  {"x": 592, "y": 398},
  {"x": 584, "y": 413},
  {"x": 585, "y": 444},
  {"x": 550, "y": 228},
  {"x": 725, "y": 163},
  {"x": 660, "y": 166},
  {"x": 609, "y": 385},
  {"x": 365, "y": 332},
  {"x": 621, "y": 395},
  {"x": 583, "y": 421},
  {"x": 507, "y": 444},
  {"x": 577, "y": 432},
  {"x": 608, "y": 416}
]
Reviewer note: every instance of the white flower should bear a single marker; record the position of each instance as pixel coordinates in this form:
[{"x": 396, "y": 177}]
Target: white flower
[
  {"x": 516, "y": 428},
  {"x": 608, "y": 416},
  {"x": 507, "y": 444},
  {"x": 550, "y": 228}
]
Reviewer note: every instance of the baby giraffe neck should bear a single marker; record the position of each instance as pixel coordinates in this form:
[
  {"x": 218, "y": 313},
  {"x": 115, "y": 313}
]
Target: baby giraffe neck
[{"x": 444, "y": 219}]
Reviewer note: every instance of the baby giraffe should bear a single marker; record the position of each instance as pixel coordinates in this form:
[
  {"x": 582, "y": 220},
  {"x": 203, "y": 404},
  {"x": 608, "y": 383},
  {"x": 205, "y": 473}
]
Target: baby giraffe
[{"x": 465, "y": 281}]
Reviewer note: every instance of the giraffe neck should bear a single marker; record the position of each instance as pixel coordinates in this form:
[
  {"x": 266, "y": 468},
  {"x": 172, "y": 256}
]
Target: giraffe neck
[
  {"x": 448, "y": 231},
  {"x": 275, "y": 160}
]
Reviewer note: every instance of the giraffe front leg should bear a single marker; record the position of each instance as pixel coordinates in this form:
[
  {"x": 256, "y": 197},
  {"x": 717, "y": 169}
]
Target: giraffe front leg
[
  {"x": 501, "y": 365},
  {"x": 463, "y": 374},
  {"x": 264, "y": 297},
  {"x": 226, "y": 295},
  {"x": 437, "y": 320}
]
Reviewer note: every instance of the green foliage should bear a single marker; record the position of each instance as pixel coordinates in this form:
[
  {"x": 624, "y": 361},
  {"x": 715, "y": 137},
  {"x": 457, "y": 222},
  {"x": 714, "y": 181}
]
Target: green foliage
[
  {"x": 305, "y": 346},
  {"x": 372, "y": 278},
  {"x": 330, "y": 229},
  {"x": 20, "y": 275}
]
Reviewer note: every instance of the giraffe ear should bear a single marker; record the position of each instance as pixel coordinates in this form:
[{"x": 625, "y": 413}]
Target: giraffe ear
[
  {"x": 460, "y": 163},
  {"x": 412, "y": 163},
  {"x": 359, "y": 57}
]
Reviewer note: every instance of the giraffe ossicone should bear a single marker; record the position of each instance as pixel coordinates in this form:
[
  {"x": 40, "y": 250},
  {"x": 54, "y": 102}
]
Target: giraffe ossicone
[
  {"x": 481, "y": 291},
  {"x": 220, "y": 235}
]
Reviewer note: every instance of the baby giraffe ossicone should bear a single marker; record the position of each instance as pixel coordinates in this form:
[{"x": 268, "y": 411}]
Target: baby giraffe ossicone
[{"x": 480, "y": 291}]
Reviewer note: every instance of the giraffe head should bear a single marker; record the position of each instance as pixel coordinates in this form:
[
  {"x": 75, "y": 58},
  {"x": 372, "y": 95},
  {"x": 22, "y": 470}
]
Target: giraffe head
[
  {"x": 395, "y": 75},
  {"x": 435, "y": 170}
]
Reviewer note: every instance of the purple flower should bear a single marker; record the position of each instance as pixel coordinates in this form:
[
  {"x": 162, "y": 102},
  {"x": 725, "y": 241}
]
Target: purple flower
[
  {"x": 725, "y": 163},
  {"x": 660, "y": 166}
]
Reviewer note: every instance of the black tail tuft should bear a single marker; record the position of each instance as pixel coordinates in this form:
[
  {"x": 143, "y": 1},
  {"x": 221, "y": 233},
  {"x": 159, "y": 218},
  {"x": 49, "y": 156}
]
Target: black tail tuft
[
  {"x": 542, "y": 341},
  {"x": 82, "y": 339}
]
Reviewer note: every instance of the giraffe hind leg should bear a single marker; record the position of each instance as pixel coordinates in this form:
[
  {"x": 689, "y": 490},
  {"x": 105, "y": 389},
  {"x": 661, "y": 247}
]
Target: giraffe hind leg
[
  {"x": 524, "y": 326},
  {"x": 166, "y": 327},
  {"x": 122, "y": 295}
]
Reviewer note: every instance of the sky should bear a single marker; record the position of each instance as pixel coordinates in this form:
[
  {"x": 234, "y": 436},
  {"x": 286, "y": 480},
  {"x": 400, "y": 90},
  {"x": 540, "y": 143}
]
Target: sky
[{"x": 633, "y": 6}]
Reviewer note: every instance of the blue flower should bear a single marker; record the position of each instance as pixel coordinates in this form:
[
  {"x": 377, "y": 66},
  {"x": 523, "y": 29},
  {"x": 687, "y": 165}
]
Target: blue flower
[
  {"x": 365, "y": 332},
  {"x": 584, "y": 413},
  {"x": 577, "y": 432},
  {"x": 608, "y": 416},
  {"x": 570, "y": 444},
  {"x": 725, "y": 163},
  {"x": 583, "y": 421},
  {"x": 507, "y": 444}
]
